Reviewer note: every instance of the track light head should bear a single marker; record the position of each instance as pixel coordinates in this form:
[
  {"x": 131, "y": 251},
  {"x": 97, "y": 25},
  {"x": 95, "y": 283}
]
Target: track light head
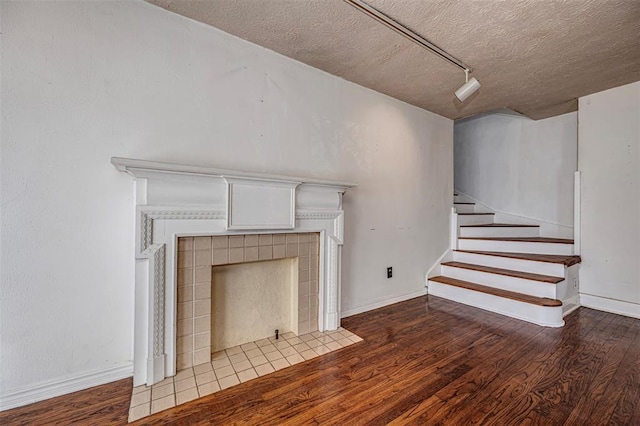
[{"x": 468, "y": 88}]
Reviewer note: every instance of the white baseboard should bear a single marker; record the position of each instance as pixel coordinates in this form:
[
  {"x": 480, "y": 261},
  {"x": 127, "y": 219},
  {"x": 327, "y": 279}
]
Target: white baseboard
[
  {"x": 619, "y": 307},
  {"x": 382, "y": 303},
  {"x": 572, "y": 302},
  {"x": 64, "y": 386}
]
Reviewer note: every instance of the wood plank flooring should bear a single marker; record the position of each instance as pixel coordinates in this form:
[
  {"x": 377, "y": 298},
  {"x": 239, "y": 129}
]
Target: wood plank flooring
[{"x": 424, "y": 361}]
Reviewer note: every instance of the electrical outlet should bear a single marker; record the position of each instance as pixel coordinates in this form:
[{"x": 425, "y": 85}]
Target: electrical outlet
[{"x": 389, "y": 272}]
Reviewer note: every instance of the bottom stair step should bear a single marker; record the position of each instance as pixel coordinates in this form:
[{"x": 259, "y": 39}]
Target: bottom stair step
[{"x": 538, "y": 310}]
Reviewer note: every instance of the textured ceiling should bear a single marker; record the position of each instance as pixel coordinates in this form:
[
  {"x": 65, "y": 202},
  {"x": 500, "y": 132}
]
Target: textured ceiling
[{"x": 535, "y": 57}]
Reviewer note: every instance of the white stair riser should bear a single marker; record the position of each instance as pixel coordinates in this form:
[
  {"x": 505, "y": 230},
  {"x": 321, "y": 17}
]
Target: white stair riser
[
  {"x": 475, "y": 219},
  {"x": 500, "y": 232},
  {"x": 464, "y": 208},
  {"x": 541, "y": 315},
  {"x": 516, "y": 247},
  {"x": 519, "y": 285},
  {"x": 545, "y": 268}
]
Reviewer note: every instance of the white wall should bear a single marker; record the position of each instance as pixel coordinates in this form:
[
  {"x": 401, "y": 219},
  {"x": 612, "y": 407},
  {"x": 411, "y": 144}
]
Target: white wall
[
  {"x": 85, "y": 81},
  {"x": 518, "y": 166},
  {"x": 609, "y": 163}
]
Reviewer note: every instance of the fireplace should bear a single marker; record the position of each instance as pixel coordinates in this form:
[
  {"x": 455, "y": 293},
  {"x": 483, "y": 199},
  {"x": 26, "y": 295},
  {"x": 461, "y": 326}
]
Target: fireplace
[{"x": 177, "y": 201}]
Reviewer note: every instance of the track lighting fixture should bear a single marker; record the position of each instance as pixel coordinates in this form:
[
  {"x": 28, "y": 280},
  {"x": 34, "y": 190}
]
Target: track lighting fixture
[{"x": 467, "y": 89}]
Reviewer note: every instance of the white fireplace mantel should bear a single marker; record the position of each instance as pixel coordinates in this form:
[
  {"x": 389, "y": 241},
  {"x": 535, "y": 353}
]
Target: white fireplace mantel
[{"x": 175, "y": 200}]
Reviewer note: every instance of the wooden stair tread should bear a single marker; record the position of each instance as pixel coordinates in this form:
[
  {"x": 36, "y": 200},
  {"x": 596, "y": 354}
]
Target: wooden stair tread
[
  {"x": 523, "y": 239},
  {"x": 507, "y": 272},
  {"x": 472, "y": 214},
  {"x": 540, "y": 301},
  {"x": 500, "y": 225},
  {"x": 567, "y": 260}
]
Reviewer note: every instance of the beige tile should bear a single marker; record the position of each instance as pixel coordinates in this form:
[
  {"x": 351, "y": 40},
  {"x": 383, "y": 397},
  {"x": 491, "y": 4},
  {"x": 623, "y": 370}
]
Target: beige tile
[
  {"x": 220, "y": 242},
  {"x": 259, "y": 360},
  {"x": 233, "y": 351},
  {"x": 288, "y": 351},
  {"x": 222, "y": 362},
  {"x": 141, "y": 398},
  {"x": 313, "y": 275},
  {"x": 279, "y": 251},
  {"x": 183, "y": 374},
  {"x": 262, "y": 342},
  {"x": 303, "y": 262},
  {"x": 184, "y": 344},
  {"x": 248, "y": 346},
  {"x": 184, "y": 327},
  {"x": 238, "y": 357},
  {"x": 202, "y": 291},
  {"x": 236, "y": 241},
  {"x": 202, "y": 307},
  {"x": 306, "y": 337},
  {"x": 344, "y": 342},
  {"x": 292, "y": 249},
  {"x": 303, "y": 304},
  {"x": 272, "y": 356},
  {"x": 250, "y": 254},
  {"x": 317, "y": 334},
  {"x": 313, "y": 325},
  {"x": 202, "y": 243},
  {"x": 325, "y": 339},
  {"x": 355, "y": 339},
  {"x": 250, "y": 240},
  {"x": 301, "y": 347},
  {"x": 241, "y": 365},
  {"x": 202, "y": 356},
  {"x": 303, "y": 249},
  {"x": 202, "y": 340},
  {"x": 292, "y": 238},
  {"x": 346, "y": 333},
  {"x": 138, "y": 412},
  {"x": 313, "y": 285},
  {"x": 220, "y": 257},
  {"x": 187, "y": 395},
  {"x": 268, "y": 348},
  {"x": 282, "y": 345},
  {"x": 141, "y": 388},
  {"x": 236, "y": 255},
  {"x": 313, "y": 262},
  {"x": 303, "y": 276},
  {"x": 205, "y": 378},
  {"x": 185, "y": 243},
  {"x": 252, "y": 353},
  {"x": 229, "y": 381},
  {"x": 264, "y": 369},
  {"x": 314, "y": 343},
  {"x": 203, "y": 258},
  {"x": 308, "y": 354},
  {"x": 294, "y": 340},
  {"x": 303, "y": 238},
  {"x": 188, "y": 383},
  {"x": 246, "y": 375},
  {"x": 266, "y": 240},
  {"x": 202, "y": 368},
  {"x": 161, "y": 404},
  {"x": 314, "y": 248},
  {"x": 279, "y": 364},
  {"x": 295, "y": 359},
  {"x": 185, "y": 276},
  {"x": 265, "y": 253},
  {"x": 334, "y": 345},
  {"x": 219, "y": 355},
  {"x": 202, "y": 324},
  {"x": 185, "y": 310},
  {"x": 224, "y": 372},
  {"x": 185, "y": 293},
  {"x": 158, "y": 392},
  {"x": 184, "y": 361},
  {"x": 208, "y": 388},
  {"x": 288, "y": 335},
  {"x": 321, "y": 350},
  {"x": 279, "y": 239},
  {"x": 185, "y": 259},
  {"x": 304, "y": 327},
  {"x": 203, "y": 274}
]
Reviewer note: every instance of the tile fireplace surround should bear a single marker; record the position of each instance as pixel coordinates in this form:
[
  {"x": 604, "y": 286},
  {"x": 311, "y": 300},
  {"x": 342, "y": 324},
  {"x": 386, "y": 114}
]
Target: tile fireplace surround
[{"x": 175, "y": 201}]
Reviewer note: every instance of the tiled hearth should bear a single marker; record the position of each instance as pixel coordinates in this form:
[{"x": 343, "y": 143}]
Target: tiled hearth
[
  {"x": 234, "y": 366},
  {"x": 196, "y": 257}
]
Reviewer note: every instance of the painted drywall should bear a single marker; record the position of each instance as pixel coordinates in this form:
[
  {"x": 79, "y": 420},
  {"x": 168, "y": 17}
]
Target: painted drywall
[
  {"x": 520, "y": 167},
  {"x": 85, "y": 81},
  {"x": 609, "y": 163}
]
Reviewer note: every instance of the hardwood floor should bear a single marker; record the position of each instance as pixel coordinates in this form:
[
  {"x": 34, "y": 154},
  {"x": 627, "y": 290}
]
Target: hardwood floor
[{"x": 424, "y": 361}]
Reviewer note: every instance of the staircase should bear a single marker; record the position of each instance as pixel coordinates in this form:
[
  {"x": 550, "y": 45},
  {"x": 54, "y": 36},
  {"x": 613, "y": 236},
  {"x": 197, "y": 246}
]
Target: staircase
[{"x": 508, "y": 269}]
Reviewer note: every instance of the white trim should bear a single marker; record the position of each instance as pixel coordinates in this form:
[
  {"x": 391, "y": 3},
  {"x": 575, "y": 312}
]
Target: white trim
[
  {"x": 576, "y": 213},
  {"x": 573, "y": 300},
  {"x": 382, "y": 303},
  {"x": 619, "y": 307},
  {"x": 59, "y": 387}
]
